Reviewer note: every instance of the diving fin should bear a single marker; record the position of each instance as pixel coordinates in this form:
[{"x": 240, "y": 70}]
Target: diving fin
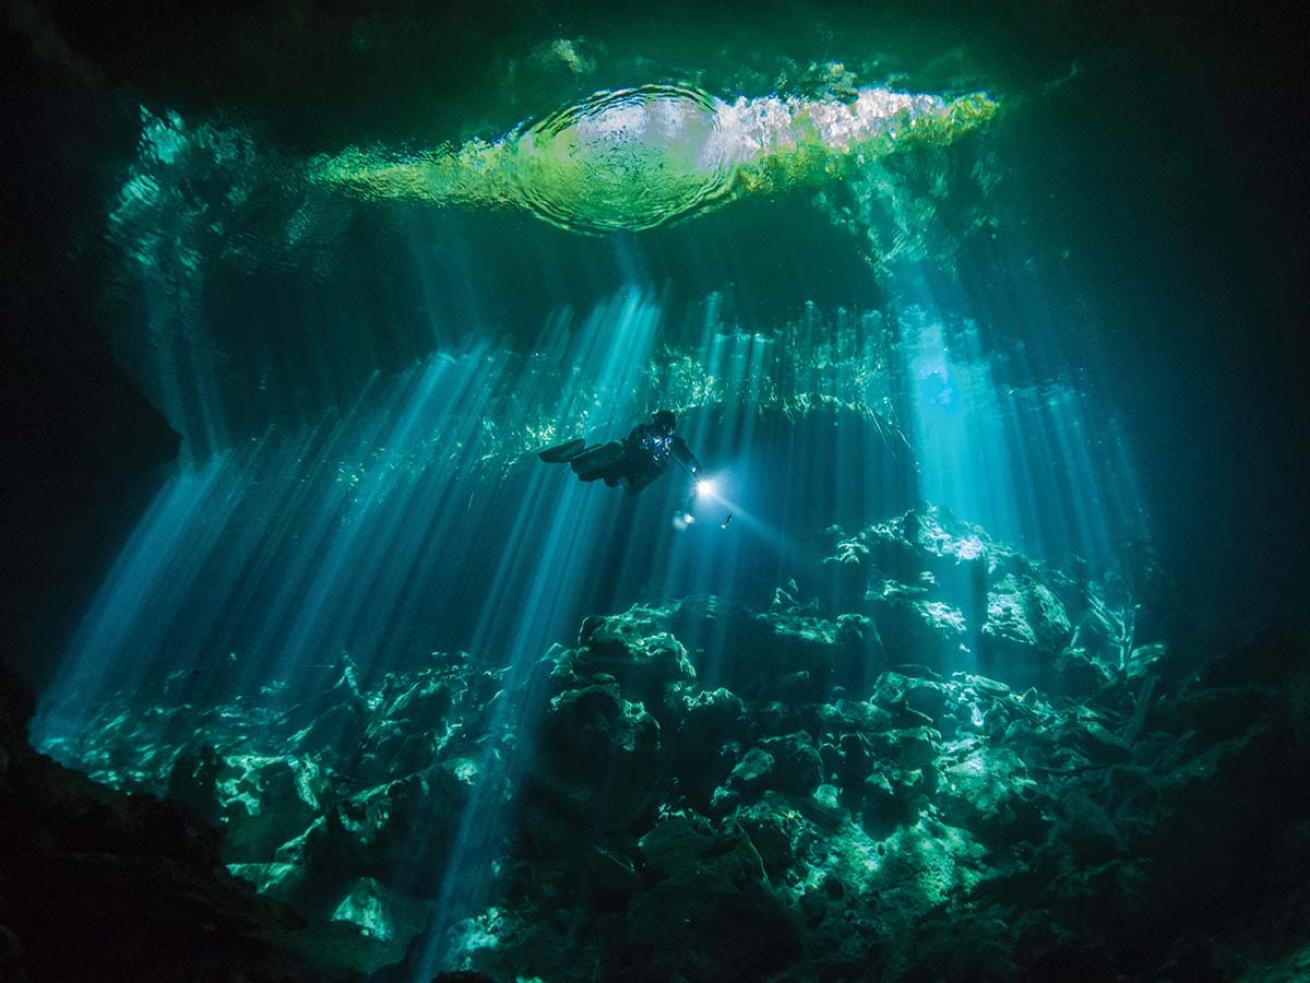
[{"x": 561, "y": 453}]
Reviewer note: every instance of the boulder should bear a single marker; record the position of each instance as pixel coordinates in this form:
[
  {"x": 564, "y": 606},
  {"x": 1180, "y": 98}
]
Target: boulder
[
  {"x": 708, "y": 889},
  {"x": 265, "y": 801},
  {"x": 926, "y": 632},
  {"x": 601, "y": 755},
  {"x": 988, "y": 791},
  {"x": 776, "y": 830},
  {"x": 799, "y": 767},
  {"x": 426, "y": 703},
  {"x": 753, "y": 773},
  {"x": 375, "y": 926},
  {"x": 1025, "y": 624},
  {"x": 907, "y": 748},
  {"x": 708, "y": 743},
  {"x": 648, "y": 665}
]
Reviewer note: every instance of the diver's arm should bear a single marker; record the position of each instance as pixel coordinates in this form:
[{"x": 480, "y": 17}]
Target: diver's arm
[{"x": 684, "y": 455}]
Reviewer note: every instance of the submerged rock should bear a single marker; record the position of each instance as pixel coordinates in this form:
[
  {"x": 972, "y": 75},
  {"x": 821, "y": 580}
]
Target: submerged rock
[
  {"x": 98, "y": 884},
  {"x": 601, "y": 755},
  {"x": 709, "y": 891},
  {"x": 973, "y": 774}
]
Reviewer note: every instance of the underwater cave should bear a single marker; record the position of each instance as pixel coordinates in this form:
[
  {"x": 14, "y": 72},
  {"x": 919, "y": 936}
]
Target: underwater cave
[{"x": 810, "y": 492}]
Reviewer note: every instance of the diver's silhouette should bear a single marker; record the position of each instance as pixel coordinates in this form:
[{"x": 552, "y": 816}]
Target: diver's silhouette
[{"x": 634, "y": 462}]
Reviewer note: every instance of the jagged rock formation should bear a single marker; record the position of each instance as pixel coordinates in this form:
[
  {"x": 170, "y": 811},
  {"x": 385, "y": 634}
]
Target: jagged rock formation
[
  {"x": 952, "y": 764},
  {"x": 97, "y": 884}
]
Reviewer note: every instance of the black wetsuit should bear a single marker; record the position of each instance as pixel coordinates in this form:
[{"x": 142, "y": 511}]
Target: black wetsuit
[
  {"x": 635, "y": 461},
  {"x": 649, "y": 451}
]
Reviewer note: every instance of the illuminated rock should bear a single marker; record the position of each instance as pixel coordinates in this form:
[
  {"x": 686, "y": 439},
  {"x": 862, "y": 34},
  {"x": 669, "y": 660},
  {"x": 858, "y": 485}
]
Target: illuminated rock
[{"x": 927, "y": 822}]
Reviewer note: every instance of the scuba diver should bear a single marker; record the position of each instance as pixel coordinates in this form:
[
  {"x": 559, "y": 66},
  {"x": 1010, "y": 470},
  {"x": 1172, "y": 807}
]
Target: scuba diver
[{"x": 635, "y": 461}]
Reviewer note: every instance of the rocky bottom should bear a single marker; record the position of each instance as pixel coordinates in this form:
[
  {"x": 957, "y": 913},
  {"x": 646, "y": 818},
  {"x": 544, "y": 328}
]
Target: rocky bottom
[{"x": 946, "y": 762}]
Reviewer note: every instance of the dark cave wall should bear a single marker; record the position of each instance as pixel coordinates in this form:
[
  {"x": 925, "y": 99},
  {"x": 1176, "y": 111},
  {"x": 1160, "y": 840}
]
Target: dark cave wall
[
  {"x": 80, "y": 442},
  {"x": 102, "y": 885}
]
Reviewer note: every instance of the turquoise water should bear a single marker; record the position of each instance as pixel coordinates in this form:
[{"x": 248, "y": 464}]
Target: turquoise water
[{"x": 910, "y": 283}]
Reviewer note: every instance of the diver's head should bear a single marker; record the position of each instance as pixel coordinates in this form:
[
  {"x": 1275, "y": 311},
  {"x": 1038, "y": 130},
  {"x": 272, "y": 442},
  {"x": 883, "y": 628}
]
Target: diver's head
[{"x": 665, "y": 422}]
